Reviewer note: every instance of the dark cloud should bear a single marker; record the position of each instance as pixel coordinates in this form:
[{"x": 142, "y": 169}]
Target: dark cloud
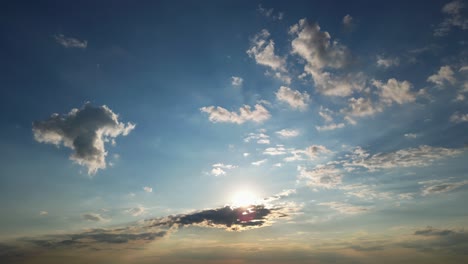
[
  {"x": 445, "y": 240},
  {"x": 84, "y": 131}
]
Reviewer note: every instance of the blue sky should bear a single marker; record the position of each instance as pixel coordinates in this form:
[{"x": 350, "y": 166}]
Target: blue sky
[{"x": 234, "y": 131}]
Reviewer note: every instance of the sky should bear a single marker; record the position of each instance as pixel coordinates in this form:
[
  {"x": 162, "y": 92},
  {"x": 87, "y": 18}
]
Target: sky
[{"x": 234, "y": 131}]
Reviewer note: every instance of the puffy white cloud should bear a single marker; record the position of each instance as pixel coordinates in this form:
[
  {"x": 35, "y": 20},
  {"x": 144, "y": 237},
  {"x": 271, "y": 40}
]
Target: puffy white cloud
[
  {"x": 458, "y": 117},
  {"x": 84, "y": 131},
  {"x": 216, "y": 171},
  {"x": 294, "y": 98},
  {"x": 93, "y": 217},
  {"x": 288, "y": 133},
  {"x": 331, "y": 84},
  {"x": 411, "y": 135},
  {"x": 260, "y": 137},
  {"x": 246, "y": 154},
  {"x": 147, "y": 189},
  {"x": 328, "y": 127},
  {"x": 345, "y": 208},
  {"x": 219, "y": 114},
  {"x": 443, "y": 76},
  {"x": 219, "y": 169},
  {"x": 259, "y": 162},
  {"x": 311, "y": 152},
  {"x": 411, "y": 157},
  {"x": 323, "y": 176},
  {"x": 360, "y": 107},
  {"x": 395, "y": 91},
  {"x": 263, "y": 51},
  {"x": 69, "y": 42},
  {"x": 348, "y": 21},
  {"x": 275, "y": 151},
  {"x": 440, "y": 186},
  {"x": 237, "y": 81},
  {"x": 387, "y": 62},
  {"x": 454, "y": 18},
  {"x": 326, "y": 114}
]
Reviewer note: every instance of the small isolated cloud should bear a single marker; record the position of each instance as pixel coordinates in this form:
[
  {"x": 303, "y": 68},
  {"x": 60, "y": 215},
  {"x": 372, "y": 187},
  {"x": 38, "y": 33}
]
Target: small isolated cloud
[
  {"x": 43, "y": 213},
  {"x": 326, "y": 114},
  {"x": 237, "y": 81},
  {"x": 219, "y": 169},
  {"x": 269, "y": 13},
  {"x": 263, "y": 51},
  {"x": 147, "y": 189},
  {"x": 246, "y": 154},
  {"x": 293, "y": 98},
  {"x": 345, "y": 208},
  {"x": 440, "y": 186},
  {"x": 328, "y": 127},
  {"x": 322, "y": 176},
  {"x": 443, "y": 76},
  {"x": 260, "y": 137},
  {"x": 287, "y": 133},
  {"x": 85, "y": 131},
  {"x": 453, "y": 19},
  {"x": 395, "y": 91},
  {"x": 275, "y": 151},
  {"x": 311, "y": 152},
  {"x": 69, "y": 42},
  {"x": 387, "y": 62},
  {"x": 348, "y": 22},
  {"x": 136, "y": 211},
  {"x": 93, "y": 217},
  {"x": 219, "y": 114},
  {"x": 458, "y": 117},
  {"x": 411, "y": 135},
  {"x": 259, "y": 162}
]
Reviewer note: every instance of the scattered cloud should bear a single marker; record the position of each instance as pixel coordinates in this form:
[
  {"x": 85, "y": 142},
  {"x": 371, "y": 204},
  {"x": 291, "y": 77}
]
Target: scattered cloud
[
  {"x": 328, "y": 127},
  {"x": 348, "y": 22},
  {"x": 453, "y": 19},
  {"x": 263, "y": 51},
  {"x": 236, "y": 81},
  {"x": 275, "y": 151},
  {"x": 43, "y": 213},
  {"x": 293, "y": 98},
  {"x": 387, "y": 62},
  {"x": 259, "y": 162},
  {"x": 219, "y": 169},
  {"x": 69, "y": 42},
  {"x": 147, "y": 189},
  {"x": 345, "y": 208},
  {"x": 287, "y": 133},
  {"x": 93, "y": 217},
  {"x": 395, "y": 91},
  {"x": 443, "y": 76},
  {"x": 326, "y": 114},
  {"x": 219, "y": 114},
  {"x": 440, "y": 186},
  {"x": 136, "y": 211},
  {"x": 458, "y": 117},
  {"x": 269, "y": 13},
  {"x": 260, "y": 137},
  {"x": 323, "y": 176},
  {"x": 85, "y": 131}
]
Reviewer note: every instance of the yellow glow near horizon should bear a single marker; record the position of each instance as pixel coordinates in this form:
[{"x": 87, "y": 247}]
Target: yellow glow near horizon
[{"x": 244, "y": 198}]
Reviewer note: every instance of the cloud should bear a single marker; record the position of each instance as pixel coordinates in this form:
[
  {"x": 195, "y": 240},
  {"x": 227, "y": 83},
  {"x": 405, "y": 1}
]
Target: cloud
[
  {"x": 147, "y": 189},
  {"x": 69, "y": 42},
  {"x": 458, "y": 117},
  {"x": 348, "y": 22},
  {"x": 345, "y": 208},
  {"x": 361, "y": 107},
  {"x": 43, "y": 213},
  {"x": 93, "y": 217},
  {"x": 269, "y": 13},
  {"x": 136, "y": 211},
  {"x": 259, "y": 162},
  {"x": 411, "y": 135},
  {"x": 260, "y": 137},
  {"x": 453, "y": 19},
  {"x": 294, "y": 98},
  {"x": 326, "y": 114},
  {"x": 219, "y": 169},
  {"x": 287, "y": 133},
  {"x": 411, "y": 157},
  {"x": 443, "y": 76},
  {"x": 328, "y": 127},
  {"x": 237, "y": 81},
  {"x": 440, "y": 186},
  {"x": 263, "y": 51},
  {"x": 322, "y": 176},
  {"x": 275, "y": 151},
  {"x": 395, "y": 91},
  {"x": 84, "y": 131},
  {"x": 219, "y": 114},
  {"x": 435, "y": 239},
  {"x": 387, "y": 62}
]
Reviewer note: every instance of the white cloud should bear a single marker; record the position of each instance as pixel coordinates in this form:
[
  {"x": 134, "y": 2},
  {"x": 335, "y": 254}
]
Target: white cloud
[
  {"x": 237, "y": 81},
  {"x": 326, "y": 114},
  {"x": 43, "y": 213},
  {"x": 346, "y": 208},
  {"x": 395, "y": 91},
  {"x": 93, "y": 217},
  {"x": 347, "y": 21},
  {"x": 219, "y": 114},
  {"x": 246, "y": 154},
  {"x": 263, "y": 51},
  {"x": 260, "y": 137},
  {"x": 328, "y": 127},
  {"x": 360, "y": 107},
  {"x": 411, "y": 157},
  {"x": 147, "y": 189},
  {"x": 68, "y": 42},
  {"x": 275, "y": 151},
  {"x": 288, "y": 133},
  {"x": 411, "y": 135},
  {"x": 443, "y": 76},
  {"x": 294, "y": 98},
  {"x": 440, "y": 186},
  {"x": 311, "y": 152},
  {"x": 458, "y": 117},
  {"x": 269, "y": 13},
  {"x": 387, "y": 62},
  {"x": 260, "y": 162},
  {"x": 323, "y": 176},
  {"x": 84, "y": 131},
  {"x": 219, "y": 169},
  {"x": 137, "y": 211},
  {"x": 454, "y": 18}
]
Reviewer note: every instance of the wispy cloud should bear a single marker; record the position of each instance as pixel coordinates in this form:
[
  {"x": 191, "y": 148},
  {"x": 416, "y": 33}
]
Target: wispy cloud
[{"x": 69, "y": 42}]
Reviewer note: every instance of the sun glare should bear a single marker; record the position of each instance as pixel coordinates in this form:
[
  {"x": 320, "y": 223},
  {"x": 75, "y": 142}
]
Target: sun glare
[{"x": 244, "y": 198}]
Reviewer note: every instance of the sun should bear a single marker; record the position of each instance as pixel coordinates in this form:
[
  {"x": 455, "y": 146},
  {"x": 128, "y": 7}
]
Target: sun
[{"x": 244, "y": 198}]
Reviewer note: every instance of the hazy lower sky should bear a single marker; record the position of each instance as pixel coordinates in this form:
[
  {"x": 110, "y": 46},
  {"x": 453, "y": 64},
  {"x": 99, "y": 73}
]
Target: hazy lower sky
[{"x": 234, "y": 132}]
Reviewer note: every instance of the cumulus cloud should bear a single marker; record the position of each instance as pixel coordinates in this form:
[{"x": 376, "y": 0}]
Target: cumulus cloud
[
  {"x": 269, "y": 13},
  {"x": 387, "y": 62},
  {"x": 453, "y": 19},
  {"x": 263, "y": 51},
  {"x": 219, "y": 114},
  {"x": 219, "y": 169},
  {"x": 293, "y": 98},
  {"x": 237, "y": 81},
  {"x": 69, "y": 42},
  {"x": 443, "y": 76},
  {"x": 440, "y": 186},
  {"x": 328, "y": 127},
  {"x": 395, "y": 91},
  {"x": 322, "y": 176},
  {"x": 348, "y": 22},
  {"x": 326, "y": 114},
  {"x": 411, "y": 157},
  {"x": 458, "y": 117},
  {"x": 93, "y": 217},
  {"x": 84, "y": 131},
  {"x": 345, "y": 208},
  {"x": 260, "y": 137},
  {"x": 275, "y": 151},
  {"x": 259, "y": 162},
  {"x": 147, "y": 189},
  {"x": 287, "y": 133}
]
